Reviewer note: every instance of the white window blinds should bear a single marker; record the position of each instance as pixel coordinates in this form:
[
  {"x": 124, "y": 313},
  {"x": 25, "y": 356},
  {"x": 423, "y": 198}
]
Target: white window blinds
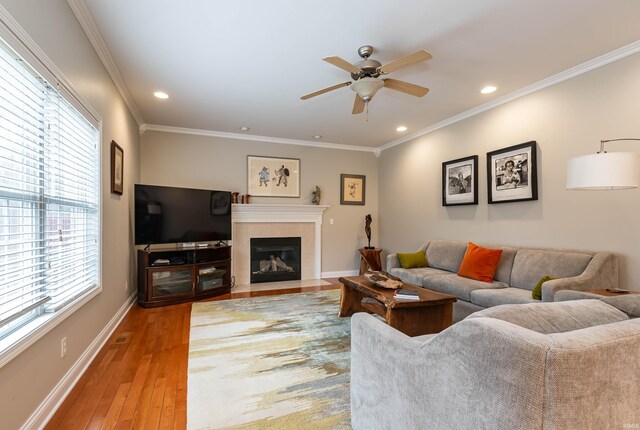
[{"x": 49, "y": 197}]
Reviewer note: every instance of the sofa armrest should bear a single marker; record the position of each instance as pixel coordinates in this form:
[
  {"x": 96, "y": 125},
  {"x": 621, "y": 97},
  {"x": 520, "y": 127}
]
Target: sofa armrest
[
  {"x": 443, "y": 381},
  {"x": 601, "y": 273},
  {"x": 392, "y": 262}
]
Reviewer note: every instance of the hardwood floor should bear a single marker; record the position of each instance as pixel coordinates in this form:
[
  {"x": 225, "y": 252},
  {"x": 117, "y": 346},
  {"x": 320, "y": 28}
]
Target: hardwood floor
[{"x": 139, "y": 378}]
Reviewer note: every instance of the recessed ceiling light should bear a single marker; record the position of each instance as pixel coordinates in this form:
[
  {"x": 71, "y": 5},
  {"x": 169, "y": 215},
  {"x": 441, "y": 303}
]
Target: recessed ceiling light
[
  {"x": 488, "y": 89},
  {"x": 244, "y": 128},
  {"x": 317, "y": 136},
  {"x": 401, "y": 128},
  {"x": 161, "y": 95}
]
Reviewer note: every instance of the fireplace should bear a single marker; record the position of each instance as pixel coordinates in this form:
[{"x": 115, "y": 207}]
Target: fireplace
[{"x": 275, "y": 259}]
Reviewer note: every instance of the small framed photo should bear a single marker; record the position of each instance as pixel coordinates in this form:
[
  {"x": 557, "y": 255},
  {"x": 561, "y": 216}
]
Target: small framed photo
[
  {"x": 511, "y": 174},
  {"x": 352, "y": 189},
  {"x": 273, "y": 177},
  {"x": 117, "y": 168},
  {"x": 460, "y": 181}
]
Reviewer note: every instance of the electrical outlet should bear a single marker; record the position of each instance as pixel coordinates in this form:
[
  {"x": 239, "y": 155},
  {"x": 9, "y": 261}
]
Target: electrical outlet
[
  {"x": 330, "y": 220},
  {"x": 63, "y": 347}
]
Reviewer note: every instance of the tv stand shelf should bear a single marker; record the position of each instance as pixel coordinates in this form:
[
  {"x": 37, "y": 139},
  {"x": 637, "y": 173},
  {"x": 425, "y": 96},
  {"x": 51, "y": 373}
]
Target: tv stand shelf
[{"x": 167, "y": 276}]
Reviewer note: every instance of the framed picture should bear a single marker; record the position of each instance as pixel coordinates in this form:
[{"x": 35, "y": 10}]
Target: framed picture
[
  {"x": 460, "y": 181},
  {"x": 511, "y": 174},
  {"x": 352, "y": 189},
  {"x": 117, "y": 168},
  {"x": 273, "y": 177}
]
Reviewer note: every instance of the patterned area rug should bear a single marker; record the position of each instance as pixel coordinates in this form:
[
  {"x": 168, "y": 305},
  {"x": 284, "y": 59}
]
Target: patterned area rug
[{"x": 277, "y": 362}]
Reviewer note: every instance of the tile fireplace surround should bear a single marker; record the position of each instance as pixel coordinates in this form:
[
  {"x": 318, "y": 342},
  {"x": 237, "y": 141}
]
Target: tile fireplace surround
[{"x": 269, "y": 220}]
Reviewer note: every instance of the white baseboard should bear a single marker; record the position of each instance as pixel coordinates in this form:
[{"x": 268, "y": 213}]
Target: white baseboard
[
  {"x": 52, "y": 402},
  {"x": 339, "y": 274}
]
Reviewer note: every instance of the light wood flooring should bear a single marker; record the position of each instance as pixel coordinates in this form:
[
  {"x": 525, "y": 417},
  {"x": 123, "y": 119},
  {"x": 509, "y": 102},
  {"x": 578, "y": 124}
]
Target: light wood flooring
[{"x": 139, "y": 378}]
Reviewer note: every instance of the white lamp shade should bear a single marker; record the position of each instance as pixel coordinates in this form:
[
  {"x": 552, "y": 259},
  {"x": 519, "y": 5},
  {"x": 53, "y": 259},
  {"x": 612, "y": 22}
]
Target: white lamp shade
[
  {"x": 367, "y": 87},
  {"x": 604, "y": 171}
]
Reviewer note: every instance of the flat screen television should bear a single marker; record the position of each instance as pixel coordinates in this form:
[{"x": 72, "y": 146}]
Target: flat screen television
[{"x": 179, "y": 215}]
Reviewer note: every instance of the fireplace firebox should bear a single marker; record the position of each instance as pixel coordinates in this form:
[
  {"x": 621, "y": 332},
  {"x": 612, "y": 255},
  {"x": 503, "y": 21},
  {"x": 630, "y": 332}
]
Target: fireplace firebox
[{"x": 275, "y": 259}]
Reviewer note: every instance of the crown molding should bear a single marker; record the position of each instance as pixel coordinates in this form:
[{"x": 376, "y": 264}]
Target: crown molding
[
  {"x": 603, "y": 60},
  {"x": 253, "y": 137},
  {"x": 83, "y": 14}
]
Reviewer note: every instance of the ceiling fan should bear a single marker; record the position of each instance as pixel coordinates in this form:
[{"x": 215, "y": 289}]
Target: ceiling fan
[{"x": 367, "y": 73}]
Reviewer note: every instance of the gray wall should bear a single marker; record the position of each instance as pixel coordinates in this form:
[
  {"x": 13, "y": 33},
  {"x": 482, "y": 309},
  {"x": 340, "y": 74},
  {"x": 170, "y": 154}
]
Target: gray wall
[
  {"x": 566, "y": 120},
  {"x": 185, "y": 160},
  {"x": 29, "y": 378}
]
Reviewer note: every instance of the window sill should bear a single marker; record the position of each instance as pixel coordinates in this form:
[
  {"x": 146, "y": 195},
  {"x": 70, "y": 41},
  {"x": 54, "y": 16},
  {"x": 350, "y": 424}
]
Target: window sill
[{"x": 12, "y": 345}]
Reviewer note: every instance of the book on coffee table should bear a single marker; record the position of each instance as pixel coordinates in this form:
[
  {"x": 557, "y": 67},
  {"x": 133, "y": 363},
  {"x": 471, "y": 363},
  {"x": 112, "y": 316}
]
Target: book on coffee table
[{"x": 406, "y": 294}]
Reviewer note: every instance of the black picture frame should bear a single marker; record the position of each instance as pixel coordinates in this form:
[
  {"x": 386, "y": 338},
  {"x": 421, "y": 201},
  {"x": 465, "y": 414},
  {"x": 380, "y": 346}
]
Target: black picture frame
[
  {"x": 117, "y": 168},
  {"x": 512, "y": 174},
  {"x": 460, "y": 181},
  {"x": 352, "y": 189}
]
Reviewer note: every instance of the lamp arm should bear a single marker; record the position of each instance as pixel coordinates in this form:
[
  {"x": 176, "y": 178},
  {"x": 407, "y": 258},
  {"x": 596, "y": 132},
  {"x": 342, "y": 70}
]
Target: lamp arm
[{"x": 602, "y": 142}]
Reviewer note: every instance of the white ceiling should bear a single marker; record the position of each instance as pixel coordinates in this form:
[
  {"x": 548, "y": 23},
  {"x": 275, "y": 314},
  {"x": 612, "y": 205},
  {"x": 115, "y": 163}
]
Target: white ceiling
[{"x": 227, "y": 64}]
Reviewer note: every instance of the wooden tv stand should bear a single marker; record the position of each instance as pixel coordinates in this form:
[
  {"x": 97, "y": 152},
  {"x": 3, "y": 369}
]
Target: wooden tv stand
[{"x": 186, "y": 274}]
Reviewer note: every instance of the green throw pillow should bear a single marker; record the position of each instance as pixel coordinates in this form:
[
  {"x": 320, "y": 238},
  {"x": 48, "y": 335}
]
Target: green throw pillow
[
  {"x": 537, "y": 290},
  {"x": 414, "y": 259}
]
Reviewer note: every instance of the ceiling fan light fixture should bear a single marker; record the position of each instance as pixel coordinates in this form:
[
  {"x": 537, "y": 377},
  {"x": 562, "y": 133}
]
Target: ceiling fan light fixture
[{"x": 366, "y": 88}]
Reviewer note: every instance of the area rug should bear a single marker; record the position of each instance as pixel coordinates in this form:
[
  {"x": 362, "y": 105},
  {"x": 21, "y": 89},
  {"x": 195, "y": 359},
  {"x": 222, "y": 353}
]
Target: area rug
[{"x": 276, "y": 362}]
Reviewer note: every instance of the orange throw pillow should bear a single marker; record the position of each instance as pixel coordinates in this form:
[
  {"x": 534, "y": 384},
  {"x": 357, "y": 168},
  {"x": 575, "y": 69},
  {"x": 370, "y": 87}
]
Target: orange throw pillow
[{"x": 480, "y": 263}]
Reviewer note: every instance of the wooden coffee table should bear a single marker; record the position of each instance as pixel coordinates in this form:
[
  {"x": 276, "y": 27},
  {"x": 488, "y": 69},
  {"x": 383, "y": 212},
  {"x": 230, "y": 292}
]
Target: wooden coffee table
[{"x": 432, "y": 313}]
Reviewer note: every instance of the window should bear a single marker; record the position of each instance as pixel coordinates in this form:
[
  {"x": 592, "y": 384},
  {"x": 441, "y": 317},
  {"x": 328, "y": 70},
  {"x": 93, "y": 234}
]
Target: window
[{"x": 49, "y": 198}]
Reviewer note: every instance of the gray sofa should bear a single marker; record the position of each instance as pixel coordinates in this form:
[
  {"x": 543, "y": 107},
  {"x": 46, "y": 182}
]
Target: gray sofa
[
  {"x": 518, "y": 272},
  {"x": 562, "y": 365}
]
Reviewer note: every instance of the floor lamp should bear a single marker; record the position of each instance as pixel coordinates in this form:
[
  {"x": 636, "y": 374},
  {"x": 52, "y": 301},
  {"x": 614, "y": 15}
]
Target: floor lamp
[{"x": 604, "y": 170}]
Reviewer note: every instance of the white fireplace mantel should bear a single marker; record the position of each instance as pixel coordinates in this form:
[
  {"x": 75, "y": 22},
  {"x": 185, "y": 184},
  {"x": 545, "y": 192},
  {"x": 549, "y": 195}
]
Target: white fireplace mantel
[{"x": 278, "y": 213}]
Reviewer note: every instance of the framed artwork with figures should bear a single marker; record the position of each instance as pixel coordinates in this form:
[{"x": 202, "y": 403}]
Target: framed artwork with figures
[
  {"x": 352, "y": 189},
  {"x": 273, "y": 177},
  {"x": 511, "y": 174},
  {"x": 460, "y": 181}
]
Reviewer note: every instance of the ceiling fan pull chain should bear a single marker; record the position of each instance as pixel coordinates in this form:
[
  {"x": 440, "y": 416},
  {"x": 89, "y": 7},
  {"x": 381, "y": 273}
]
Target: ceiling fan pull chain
[{"x": 366, "y": 116}]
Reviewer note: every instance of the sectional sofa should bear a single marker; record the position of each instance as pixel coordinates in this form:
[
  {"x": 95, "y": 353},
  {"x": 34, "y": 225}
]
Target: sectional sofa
[
  {"x": 561, "y": 365},
  {"x": 519, "y": 270}
]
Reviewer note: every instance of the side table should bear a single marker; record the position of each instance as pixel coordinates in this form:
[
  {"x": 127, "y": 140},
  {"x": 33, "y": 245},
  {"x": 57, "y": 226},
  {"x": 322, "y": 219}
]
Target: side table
[
  {"x": 610, "y": 293},
  {"x": 370, "y": 260}
]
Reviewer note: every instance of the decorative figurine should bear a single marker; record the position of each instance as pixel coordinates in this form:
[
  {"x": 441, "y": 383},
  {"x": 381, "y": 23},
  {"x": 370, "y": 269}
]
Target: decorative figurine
[
  {"x": 367, "y": 230},
  {"x": 316, "y": 195},
  {"x": 234, "y": 197}
]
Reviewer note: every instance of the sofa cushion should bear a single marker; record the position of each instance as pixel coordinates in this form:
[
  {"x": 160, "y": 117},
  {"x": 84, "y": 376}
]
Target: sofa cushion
[
  {"x": 417, "y": 275},
  {"x": 413, "y": 259},
  {"x": 458, "y": 286},
  {"x": 557, "y": 317},
  {"x": 530, "y": 265},
  {"x": 502, "y": 296},
  {"x": 445, "y": 254},
  {"x": 503, "y": 272},
  {"x": 479, "y": 263}
]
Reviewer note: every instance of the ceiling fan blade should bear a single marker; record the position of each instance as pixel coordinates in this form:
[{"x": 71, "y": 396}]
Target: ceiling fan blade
[
  {"x": 406, "y": 87},
  {"x": 405, "y": 61},
  {"x": 325, "y": 90},
  {"x": 358, "y": 106},
  {"x": 343, "y": 64}
]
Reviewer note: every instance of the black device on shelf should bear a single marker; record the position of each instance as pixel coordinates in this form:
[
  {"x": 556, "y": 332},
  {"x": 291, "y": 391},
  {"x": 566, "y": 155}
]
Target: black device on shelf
[
  {"x": 174, "y": 215},
  {"x": 168, "y": 275}
]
